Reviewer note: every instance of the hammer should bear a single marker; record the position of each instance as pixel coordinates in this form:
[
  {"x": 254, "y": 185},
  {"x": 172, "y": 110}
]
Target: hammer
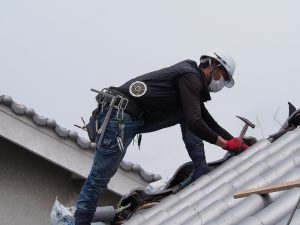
[{"x": 247, "y": 124}]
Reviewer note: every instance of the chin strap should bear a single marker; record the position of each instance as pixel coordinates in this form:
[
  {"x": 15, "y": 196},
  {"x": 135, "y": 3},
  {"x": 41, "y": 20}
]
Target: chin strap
[
  {"x": 211, "y": 71},
  {"x": 204, "y": 61},
  {"x": 209, "y": 60}
]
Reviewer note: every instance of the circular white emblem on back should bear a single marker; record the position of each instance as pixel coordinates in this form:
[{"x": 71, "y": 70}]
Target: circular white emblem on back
[{"x": 138, "y": 88}]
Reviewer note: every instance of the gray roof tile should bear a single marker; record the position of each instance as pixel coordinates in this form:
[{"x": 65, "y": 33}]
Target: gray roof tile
[
  {"x": 18, "y": 108},
  {"x": 83, "y": 143},
  {"x": 51, "y": 123},
  {"x": 73, "y": 135},
  {"x": 209, "y": 200},
  {"x": 128, "y": 166},
  {"x": 294, "y": 221},
  {"x": 61, "y": 131},
  {"x": 40, "y": 120},
  {"x": 7, "y": 100},
  {"x": 29, "y": 112},
  {"x": 136, "y": 167},
  {"x": 146, "y": 175},
  {"x": 64, "y": 133}
]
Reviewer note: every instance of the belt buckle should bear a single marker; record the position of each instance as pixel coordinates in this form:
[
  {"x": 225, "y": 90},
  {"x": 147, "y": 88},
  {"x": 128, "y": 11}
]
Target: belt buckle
[
  {"x": 100, "y": 98},
  {"x": 122, "y": 104}
]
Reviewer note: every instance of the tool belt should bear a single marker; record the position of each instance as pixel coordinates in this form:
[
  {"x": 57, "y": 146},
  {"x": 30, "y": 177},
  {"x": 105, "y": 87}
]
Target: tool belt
[
  {"x": 125, "y": 103},
  {"x": 111, "y": 99}
]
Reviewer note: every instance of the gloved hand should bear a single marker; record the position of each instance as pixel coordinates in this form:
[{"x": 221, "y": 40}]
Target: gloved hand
[
  {"x": 236, "y": 144},
  {"x": 249, "y": 140}
]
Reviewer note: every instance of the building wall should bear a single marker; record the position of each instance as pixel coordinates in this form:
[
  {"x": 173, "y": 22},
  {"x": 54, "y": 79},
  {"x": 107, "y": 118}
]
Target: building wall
[{"x": 29, "y": 186}]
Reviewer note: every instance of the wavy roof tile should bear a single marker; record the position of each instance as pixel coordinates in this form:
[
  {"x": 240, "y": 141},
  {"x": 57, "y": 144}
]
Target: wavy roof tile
[
  {"x": 65, "y": 133},
  {"x": 209, "y": 200}
]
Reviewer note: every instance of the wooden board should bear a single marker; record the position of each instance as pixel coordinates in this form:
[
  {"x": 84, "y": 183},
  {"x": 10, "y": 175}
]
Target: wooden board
[{"x": 268, "y": 189}]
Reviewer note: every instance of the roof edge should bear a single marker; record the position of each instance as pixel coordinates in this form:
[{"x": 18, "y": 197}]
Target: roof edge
[{"x": 64, "y": 133}]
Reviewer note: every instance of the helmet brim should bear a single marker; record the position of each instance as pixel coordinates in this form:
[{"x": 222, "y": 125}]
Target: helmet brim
[{"x": 229, "y": 83}]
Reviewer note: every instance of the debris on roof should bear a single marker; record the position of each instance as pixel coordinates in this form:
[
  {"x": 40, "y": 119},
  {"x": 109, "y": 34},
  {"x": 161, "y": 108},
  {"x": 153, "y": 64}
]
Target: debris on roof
[{"x": 268, "y": 189}]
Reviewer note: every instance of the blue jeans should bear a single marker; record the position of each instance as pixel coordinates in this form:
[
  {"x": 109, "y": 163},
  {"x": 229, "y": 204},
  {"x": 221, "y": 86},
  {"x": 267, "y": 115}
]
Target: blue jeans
[
  {"x": 108, "y": 156},
  {"x": 193, "y": 144}
]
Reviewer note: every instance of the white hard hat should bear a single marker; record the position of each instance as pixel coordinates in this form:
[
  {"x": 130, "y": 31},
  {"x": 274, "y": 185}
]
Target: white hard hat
[{"x": 226, "y": 61}]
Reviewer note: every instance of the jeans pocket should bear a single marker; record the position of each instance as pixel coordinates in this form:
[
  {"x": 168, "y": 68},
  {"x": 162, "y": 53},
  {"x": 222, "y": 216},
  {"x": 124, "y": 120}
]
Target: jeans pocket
[{"x": 109, "y": 144}]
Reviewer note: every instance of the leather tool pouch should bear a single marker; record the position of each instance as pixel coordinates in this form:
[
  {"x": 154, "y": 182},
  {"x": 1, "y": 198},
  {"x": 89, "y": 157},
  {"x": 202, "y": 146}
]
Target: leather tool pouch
[{"x": 91, "y": 126}]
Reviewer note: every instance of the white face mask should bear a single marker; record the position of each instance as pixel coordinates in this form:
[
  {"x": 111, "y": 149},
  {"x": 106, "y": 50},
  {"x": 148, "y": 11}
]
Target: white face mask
[{"x": 216, "y": 85}]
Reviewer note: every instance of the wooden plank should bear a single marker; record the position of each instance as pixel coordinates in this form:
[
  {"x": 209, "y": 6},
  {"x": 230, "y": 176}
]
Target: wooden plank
[{"x": 268, "y": 189}]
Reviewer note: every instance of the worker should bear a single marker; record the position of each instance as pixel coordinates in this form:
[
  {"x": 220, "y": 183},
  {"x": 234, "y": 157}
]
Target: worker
[{"x": 156, "y": 100}]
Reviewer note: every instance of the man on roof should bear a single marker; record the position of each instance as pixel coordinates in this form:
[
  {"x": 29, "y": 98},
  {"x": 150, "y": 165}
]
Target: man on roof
[{"x": 150, "y": 102}]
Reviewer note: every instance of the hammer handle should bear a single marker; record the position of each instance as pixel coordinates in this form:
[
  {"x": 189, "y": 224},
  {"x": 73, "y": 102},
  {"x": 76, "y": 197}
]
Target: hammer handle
[{"x": 244, "y": 130}]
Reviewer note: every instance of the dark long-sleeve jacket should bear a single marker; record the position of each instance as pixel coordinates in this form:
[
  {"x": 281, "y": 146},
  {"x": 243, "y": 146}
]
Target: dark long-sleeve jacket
[{"x": 182, "y": 89}]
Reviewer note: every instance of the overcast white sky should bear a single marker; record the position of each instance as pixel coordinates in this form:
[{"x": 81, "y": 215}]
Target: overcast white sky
[{"x": 53, "y": 52}]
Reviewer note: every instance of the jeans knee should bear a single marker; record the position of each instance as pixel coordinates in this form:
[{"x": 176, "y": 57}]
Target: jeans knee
[
  {"x": 194, "y": 146},
  {"x": 197, "y": 154},
  {"x": 97, "y": 181},
  {"x": 192, "y": 142}
]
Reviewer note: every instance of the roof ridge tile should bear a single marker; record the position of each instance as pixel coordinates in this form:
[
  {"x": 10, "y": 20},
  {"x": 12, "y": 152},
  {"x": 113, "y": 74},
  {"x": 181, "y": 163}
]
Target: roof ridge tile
[{"x": 83, "y": 143}]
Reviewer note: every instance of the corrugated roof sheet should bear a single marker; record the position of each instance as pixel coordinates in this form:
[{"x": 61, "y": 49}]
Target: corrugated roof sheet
[
  {"x": 22, "y": 110},
  {"x": 209, "y": 200}
]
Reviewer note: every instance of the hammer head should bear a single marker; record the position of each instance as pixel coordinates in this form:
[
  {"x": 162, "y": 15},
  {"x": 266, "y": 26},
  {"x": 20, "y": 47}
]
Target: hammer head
[{"x": 246, "y": 121}]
